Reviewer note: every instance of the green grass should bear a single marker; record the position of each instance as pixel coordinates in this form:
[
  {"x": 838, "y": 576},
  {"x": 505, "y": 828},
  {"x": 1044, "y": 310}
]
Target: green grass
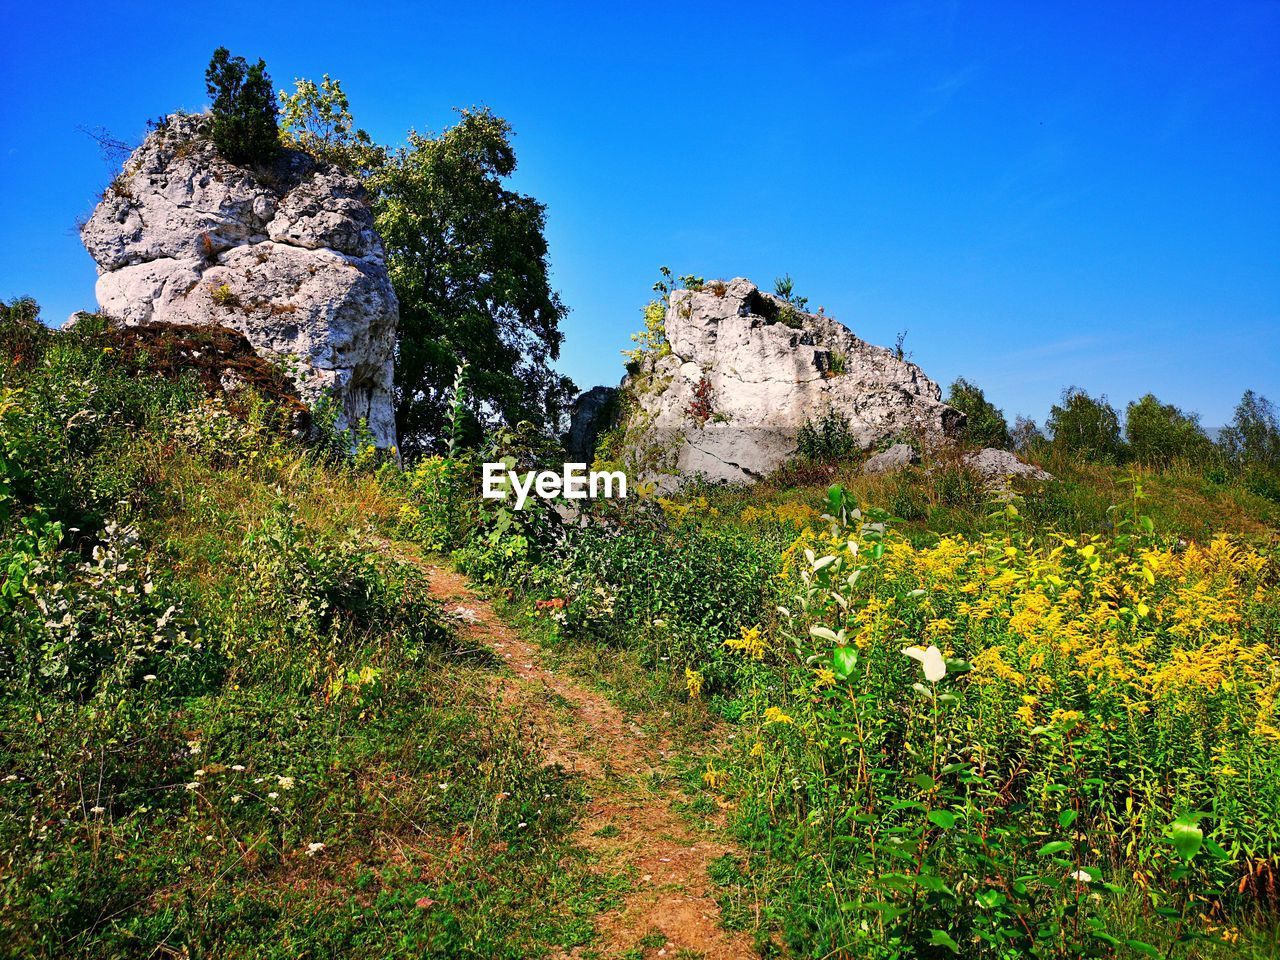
[{"x": 255, "y": 735}]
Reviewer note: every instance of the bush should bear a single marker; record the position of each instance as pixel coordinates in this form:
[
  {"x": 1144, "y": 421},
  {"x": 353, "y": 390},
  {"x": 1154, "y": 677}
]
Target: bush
[
  {"x": 1072, "y": 725},
  {"x": 985, "y": 425},
  {"x": 243, "y": 125},
  {"x": 1087, "y": 428},
  {"x": 1159, "y": 433},
  {"x": 826, "y": 440}
]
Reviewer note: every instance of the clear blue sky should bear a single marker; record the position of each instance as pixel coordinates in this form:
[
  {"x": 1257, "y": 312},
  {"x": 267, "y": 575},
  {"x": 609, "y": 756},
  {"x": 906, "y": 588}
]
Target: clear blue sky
[{"x": 1087, "y": 195}]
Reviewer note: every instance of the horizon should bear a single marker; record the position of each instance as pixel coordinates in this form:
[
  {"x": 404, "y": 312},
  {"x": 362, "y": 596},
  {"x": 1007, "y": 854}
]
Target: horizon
[{"x": 1040, "y": 201}]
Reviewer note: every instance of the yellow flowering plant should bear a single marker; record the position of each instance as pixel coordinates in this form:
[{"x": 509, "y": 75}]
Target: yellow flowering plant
[{"x": 1069, "y": 713}]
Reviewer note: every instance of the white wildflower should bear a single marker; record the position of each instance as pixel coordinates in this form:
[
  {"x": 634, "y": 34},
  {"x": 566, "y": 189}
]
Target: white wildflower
[
  {"x": 314, "y": 848},
  {"x": 935, "y": 667}
]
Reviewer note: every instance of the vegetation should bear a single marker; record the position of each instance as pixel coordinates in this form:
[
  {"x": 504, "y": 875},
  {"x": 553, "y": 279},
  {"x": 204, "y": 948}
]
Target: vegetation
[
  {"x": 1075, "y": 757},
  {"x": 784, "y": 287},
  {"x": 1253, "y": 439},
  {"x": 243, "y": 112},
  {"x": 467, "y": 257},
  {"x": 234, "y": 721},
  {"x": 240, "y": 723},
  {"x": 985, "y": 425},
  {"x": 316, "y": 118},
  {"x": 1086, "y": 427},
  {"x": 1044, "y": 726},
  {"x": 1159, "y": 433}
]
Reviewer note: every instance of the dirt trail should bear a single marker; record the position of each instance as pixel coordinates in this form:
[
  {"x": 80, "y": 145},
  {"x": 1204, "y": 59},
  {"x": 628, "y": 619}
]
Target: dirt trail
[{"x": 629, "y": 822}]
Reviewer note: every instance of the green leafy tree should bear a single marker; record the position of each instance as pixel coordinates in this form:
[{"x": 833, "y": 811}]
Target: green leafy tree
[
  {"x": 1086, "y": 428},
  {"x": 785, "y": 288},
  {"x": 985, "y": 425},
  {"x": 1158, "y": 433},
  {"x": 468, "y": 258},
  {"x": 1026, "y": 438},
  {"x": 316, "y": 118},
  {"x": 244, "y": 109},
  {"x": 1253, "y": 439}
]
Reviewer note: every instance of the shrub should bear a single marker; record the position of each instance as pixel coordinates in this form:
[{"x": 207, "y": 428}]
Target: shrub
[
  {"x": 826, "y": 440},
  {"x": 1084, "y": 427},
  {"x": 1158, "y": 433},
  {"x": 988, "y": 742},
  {"x": 985, "y": 425},
  {"x": 243, "y": 122},
  {"x": 784, "y": 287}
]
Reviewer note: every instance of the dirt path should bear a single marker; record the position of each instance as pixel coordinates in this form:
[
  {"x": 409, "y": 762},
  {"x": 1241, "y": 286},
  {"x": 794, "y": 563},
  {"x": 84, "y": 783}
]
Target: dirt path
[{"x": 630, "y": 823}]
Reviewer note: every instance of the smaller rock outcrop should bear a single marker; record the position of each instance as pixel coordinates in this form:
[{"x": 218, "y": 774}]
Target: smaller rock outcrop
[
  {"x": 741, "y": 372},
  {"x": 997, "y": 467},
  {"x": 898, "y": 457},
  {"x": 286, "y": 255}
]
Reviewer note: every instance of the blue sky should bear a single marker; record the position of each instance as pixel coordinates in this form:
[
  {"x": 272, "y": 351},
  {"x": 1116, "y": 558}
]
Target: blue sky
[{"x": 1085, "y": 195}]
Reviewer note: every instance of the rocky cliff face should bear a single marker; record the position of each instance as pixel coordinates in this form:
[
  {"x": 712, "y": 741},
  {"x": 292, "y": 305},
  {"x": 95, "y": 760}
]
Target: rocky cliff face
[
  {"x": 287, "y": 256},
  {"x": 744, "y": 373},
  {"x": 592, "y": 412}
]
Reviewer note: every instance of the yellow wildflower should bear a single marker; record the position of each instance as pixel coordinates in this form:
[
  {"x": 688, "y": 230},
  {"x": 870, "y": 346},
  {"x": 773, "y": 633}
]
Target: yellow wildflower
[
  {"x": 714, "y": 778},
  {"x": 693, "y": 682},
  {"x": 775, "y": 715},
  {"x": 749, "y": 642}
]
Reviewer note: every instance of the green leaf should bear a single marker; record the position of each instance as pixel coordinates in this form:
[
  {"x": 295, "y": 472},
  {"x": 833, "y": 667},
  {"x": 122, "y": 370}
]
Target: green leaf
[
  {"x": 835, "y": 499},
  {"x": 940, "y": 938},
  {"x": 1186, "y": 835},
  {"x": 1056, "y": 846},
  {"x": 990, "y": 899},
  {"x": 942, "y": 818},
  {"x": 843, "y": 661},
  {"x": 1143, "y": 948},
  {"x": 924, "y": 781},
  {"x": 1066, "y": 818},
  {"x": 1215, "y": 850}
]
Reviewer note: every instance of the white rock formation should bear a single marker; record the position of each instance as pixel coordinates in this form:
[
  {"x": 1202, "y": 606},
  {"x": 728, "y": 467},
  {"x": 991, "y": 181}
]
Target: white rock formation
[
  {"x": 897, "y": 457},
  {"x": 997, "y": 467},
  {"x": 288, "y": 256},
  {"x": 746, "y": 370}
]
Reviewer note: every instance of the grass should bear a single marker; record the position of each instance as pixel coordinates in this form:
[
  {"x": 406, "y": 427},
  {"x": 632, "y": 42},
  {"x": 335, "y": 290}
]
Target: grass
[
  {"x": 234, "y": 720},
  {"x": 301, "y": 759}
]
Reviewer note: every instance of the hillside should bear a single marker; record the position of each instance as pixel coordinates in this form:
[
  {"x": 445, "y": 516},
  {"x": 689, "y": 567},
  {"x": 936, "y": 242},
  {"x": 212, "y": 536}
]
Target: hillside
[{"x": 252, "y": 711}]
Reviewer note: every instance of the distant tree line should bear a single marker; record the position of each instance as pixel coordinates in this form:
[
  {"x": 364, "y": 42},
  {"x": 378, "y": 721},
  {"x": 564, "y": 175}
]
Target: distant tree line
[{"x": 1151, "y": 433}]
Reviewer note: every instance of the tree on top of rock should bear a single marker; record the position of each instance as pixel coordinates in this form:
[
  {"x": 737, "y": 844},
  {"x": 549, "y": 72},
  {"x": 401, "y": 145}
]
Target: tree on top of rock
[{"x": 244, "y": 109}]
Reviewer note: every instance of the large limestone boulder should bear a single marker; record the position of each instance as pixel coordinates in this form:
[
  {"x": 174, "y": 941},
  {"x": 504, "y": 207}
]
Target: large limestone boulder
[
  {"x": 746, "y": 370},
  {"x": 288, "y": 256}
]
